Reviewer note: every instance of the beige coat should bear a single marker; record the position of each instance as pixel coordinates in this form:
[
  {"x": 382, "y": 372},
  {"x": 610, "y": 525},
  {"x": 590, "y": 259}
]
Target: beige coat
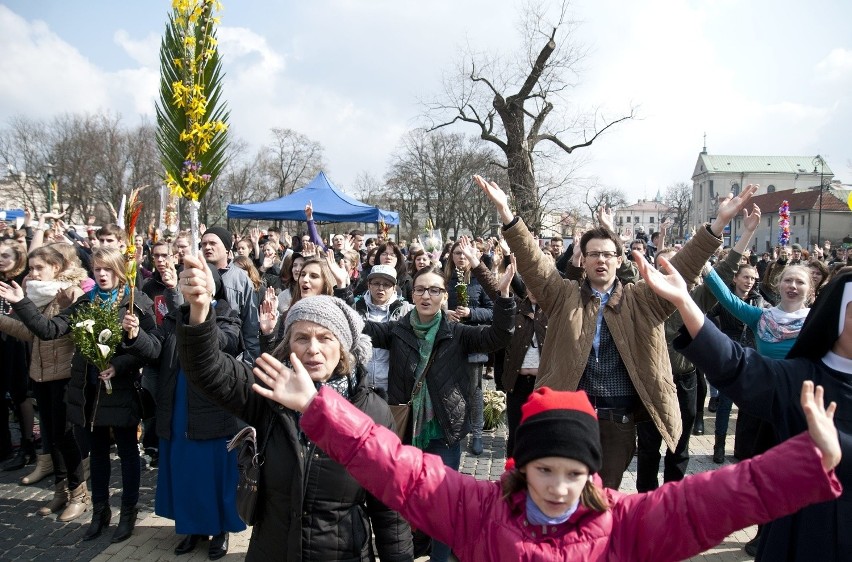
[
  {"x": 51, "y": 359},
  {"x": 634, "y": 315}
]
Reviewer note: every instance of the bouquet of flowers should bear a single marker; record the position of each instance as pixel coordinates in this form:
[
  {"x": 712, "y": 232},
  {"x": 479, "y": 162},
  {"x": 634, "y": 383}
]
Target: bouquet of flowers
[
  {"x": 96, "y": 333},
  {"x": 431, "y": 239},
  {"x": 494, "y": 409}
]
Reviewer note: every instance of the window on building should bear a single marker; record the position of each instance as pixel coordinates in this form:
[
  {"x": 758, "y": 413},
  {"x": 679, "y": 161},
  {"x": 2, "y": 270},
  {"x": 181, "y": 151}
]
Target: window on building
[
  {"x": 651, "y": 220},
  {"x": 701, "y": 192},
  {"x": 620, "y": 221},
  {"x": 735, "y": 188},
  {"x": 794, "y": 220},
  {"x": 628, "y": 219},
  {"x": 770, "y": 188},
  {"x": 710, "y": 188},
  {"x": 636, "y": 219}
]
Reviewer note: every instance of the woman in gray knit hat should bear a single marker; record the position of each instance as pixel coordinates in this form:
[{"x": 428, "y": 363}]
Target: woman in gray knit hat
[{"x": 309, "y": 506}]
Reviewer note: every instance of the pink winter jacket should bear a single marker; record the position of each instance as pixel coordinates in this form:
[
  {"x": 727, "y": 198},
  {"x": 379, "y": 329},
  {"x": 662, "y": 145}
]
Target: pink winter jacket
[{"x": 674, "y": 522}]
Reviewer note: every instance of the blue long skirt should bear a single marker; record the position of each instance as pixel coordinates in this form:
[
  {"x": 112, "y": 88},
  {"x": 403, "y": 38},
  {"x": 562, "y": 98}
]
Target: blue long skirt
[{"x": 197, "y": 479}]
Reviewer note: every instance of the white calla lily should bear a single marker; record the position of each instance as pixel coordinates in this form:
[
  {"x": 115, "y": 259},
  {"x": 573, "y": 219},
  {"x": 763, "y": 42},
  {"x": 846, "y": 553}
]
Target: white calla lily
[
  {"x": 104, "y": 349},
  {"x": 105, "y": 335},
  {"x": 87, "y": 324}
]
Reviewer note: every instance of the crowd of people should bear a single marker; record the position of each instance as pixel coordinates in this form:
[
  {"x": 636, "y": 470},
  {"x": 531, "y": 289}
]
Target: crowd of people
[{"x": 603, "y": 350}]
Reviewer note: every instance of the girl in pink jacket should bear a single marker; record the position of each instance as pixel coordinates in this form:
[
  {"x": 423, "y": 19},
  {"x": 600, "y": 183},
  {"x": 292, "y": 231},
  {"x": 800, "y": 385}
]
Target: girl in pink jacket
[{"x": 549, "y": 505}]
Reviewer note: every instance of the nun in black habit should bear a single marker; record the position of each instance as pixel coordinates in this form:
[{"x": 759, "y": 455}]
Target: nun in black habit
[{"x": 770, "y": 388}]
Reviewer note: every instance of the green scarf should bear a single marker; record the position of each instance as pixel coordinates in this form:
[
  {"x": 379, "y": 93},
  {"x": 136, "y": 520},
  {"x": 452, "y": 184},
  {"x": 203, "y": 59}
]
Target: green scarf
[{"x": 425, "y": 426}]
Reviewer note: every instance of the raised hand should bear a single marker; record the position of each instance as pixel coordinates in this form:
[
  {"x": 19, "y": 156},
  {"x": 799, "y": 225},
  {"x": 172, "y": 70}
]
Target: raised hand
[
  {"x": 668, "y": 283},
  {"x": 268, "y": 312},
  {"x": 498, "y": 198},
  {"x": 338, "y": 270},
  {"x": 506, "y": 279},
  {"x": 469, "y": 251},
  {"x": 821, "y": 424},
  {"x": 309, "y": 211},
  {"x": 309, "y": 249},
  {"x": 606, "y": 217},
  {"x": 254, "y": 235},
  {"x": 751, "y": 220},
  {"x": 12, "y": 293},
  {"x": 730, "y": 206},
  {"x": 292, "y": 388},
  {"x": 197, "y": 287}
]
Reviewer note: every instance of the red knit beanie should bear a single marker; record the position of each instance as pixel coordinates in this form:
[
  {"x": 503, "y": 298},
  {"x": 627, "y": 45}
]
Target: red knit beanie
[{"x": 558, "y": 424}]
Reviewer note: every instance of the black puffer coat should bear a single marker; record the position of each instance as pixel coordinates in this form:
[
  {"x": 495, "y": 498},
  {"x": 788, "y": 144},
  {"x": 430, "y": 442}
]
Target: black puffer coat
[
  {"x": 205, "y": 419},
  {"x": 448, "y": 377},
  {"x": 118, "y": 409},
  {"x": 310, "y": 508}
]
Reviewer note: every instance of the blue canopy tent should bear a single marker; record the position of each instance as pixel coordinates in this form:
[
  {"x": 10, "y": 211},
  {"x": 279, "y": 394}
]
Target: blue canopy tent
[{"x": 330, "y": 205}]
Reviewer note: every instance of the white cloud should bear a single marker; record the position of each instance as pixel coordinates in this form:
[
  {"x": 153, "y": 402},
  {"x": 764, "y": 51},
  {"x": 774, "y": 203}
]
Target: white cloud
[{"x": 836, "y": 66}]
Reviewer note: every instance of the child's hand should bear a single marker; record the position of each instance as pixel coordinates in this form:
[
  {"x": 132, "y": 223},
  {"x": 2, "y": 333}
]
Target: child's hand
[{"x": 821, "y": 424}]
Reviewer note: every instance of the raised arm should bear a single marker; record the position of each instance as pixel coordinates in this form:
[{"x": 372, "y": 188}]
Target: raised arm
[
  {"x": 746, "y": 313},
  {"x": 540, "y": 275},
  {"x": 415, "y": 484},
  {"x": 313, "y": 233}
]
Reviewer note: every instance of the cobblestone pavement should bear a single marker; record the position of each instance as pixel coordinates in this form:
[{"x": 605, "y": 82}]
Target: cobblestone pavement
[{"x": 27, "y": 536}]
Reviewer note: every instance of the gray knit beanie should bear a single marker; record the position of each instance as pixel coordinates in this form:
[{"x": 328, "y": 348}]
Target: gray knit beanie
[{"x": 336, "y": 316}]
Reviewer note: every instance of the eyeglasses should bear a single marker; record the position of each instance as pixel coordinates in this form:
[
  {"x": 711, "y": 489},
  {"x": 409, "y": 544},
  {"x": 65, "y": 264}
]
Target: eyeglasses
[
  {"x": 380, "y": 285},
  {"x": 605, "y": 255},
  {"x": 433, "y": 291},
  {"x": 160, "y": 256}
]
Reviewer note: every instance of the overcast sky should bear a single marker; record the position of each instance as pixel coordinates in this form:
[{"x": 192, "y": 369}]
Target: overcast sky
[{"x": 760, "y": 77}]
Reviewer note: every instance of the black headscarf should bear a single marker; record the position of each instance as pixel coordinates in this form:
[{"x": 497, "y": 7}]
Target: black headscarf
[{"x": 820, "y": 329}]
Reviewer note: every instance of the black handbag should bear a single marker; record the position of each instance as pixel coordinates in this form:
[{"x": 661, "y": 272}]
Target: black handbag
[
  {"x": 249, "y": 460},
  {"x": 144, "y": 401}
]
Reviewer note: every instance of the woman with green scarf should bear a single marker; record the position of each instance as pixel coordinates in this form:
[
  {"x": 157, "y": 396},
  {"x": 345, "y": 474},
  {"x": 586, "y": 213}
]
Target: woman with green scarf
[{"x": 429, "y": 369}]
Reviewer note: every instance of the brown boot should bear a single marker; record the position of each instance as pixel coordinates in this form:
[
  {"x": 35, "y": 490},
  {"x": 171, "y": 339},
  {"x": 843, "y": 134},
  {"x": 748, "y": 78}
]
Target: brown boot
[
  {"x": 78, "y": 504},
  {"x": 43, "y": 468},
  {"x": 60, "y": 499}
]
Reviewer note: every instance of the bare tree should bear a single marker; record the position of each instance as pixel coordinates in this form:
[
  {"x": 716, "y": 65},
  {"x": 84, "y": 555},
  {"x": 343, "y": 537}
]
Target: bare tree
[
  {"x": 291, "y": 160},
  {"x": 430, "y": 178},
  {"x": 679, "y": 199},
  {"x": 518, "y": 123},
  {"x": 603, "y": 196}
]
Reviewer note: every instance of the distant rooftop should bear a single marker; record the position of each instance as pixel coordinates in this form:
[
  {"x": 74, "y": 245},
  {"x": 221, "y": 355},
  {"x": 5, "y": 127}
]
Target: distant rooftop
[
  {"x": 799, "y": 201},
  {"x": 761, "y": 164}
]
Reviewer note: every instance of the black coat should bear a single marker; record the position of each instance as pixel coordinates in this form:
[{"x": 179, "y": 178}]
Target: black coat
[
  {"x": 205, "y": 419},
  {"x": 770, "y": 389},
  {"x": 310, "y": 508},
  {"x": 118, "y": 409},
  {"x": 448, "y": 377}
]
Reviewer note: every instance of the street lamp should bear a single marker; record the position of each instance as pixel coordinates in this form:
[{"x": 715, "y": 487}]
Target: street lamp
[
  {"x": 819, "y": 160},
  {"x": 48, "y": 179}
]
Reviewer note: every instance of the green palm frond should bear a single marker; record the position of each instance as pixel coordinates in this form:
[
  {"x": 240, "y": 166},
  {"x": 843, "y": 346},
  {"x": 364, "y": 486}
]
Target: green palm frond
[{"x": 192, "y": 122}]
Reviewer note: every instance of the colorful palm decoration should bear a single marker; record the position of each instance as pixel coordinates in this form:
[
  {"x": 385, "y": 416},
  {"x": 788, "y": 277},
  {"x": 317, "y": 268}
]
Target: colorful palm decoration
[
  {"x": 132, "y": 209},
  {"x": 191, "y": 115}
]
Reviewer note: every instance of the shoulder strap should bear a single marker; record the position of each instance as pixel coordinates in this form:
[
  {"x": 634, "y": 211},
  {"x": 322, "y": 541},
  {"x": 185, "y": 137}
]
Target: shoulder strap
[{"x": 268, "y": 433}]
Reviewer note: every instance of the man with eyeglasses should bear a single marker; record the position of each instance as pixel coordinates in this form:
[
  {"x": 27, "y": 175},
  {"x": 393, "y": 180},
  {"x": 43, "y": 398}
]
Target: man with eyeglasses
[
  {"x": 381, "y": 304},
  {"x": 593, "y": 324}
]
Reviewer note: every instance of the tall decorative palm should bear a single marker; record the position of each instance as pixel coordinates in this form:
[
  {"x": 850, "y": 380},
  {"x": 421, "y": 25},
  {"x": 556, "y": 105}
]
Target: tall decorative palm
[{"x": 191, "y": 115}]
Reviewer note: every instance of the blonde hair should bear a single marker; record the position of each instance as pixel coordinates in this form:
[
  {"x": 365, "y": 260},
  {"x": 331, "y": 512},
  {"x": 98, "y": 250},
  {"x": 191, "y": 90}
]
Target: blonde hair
[{"x": 112, "y": 259}]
